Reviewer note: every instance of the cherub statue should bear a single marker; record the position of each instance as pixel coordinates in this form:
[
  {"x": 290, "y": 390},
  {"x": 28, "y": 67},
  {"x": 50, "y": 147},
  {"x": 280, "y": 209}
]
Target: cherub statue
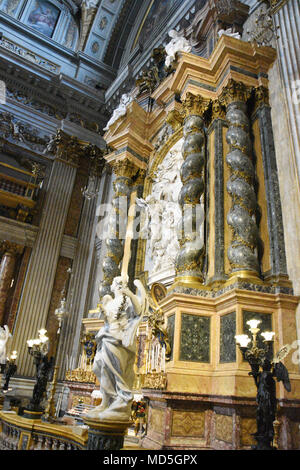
[
  {"x": 229, "y": 32},
  {"x": 116, "y": 349},
  {"x": 4, "y": 335},
  {"x": 178, "y": 43}
]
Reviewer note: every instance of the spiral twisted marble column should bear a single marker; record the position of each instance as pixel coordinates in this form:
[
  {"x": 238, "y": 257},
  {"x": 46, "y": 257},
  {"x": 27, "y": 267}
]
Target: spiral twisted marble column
[
  {"x": 189, "y": 260},
  {"x": 124, "y": 171},
  {"x": 242, "y": 252}
]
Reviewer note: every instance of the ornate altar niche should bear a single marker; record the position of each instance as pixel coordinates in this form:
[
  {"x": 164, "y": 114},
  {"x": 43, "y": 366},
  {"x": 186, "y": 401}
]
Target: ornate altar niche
[
  {"x": 233, "y": 266},
  {"x": 81, "y": 381}
]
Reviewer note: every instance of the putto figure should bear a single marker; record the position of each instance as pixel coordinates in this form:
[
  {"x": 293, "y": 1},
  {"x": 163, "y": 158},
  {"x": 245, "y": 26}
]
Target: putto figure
[
  {"x": 120, "y": 111},
  {"x": 116, "y": 348},
  {"x": 178, "y": 43}
]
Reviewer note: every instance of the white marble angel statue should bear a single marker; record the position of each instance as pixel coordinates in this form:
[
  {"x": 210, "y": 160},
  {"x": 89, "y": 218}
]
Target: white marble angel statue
[
  {"x": 178, "y": 43},
  {"x": 229, "y": 32},
  {"x": 4, "y": 335},
  {"x": 116, "y": 349},
  {"x": 120, "y": 111}
]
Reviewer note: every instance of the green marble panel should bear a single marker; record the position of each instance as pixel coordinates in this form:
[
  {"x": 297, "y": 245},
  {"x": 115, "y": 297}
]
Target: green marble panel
[
  {"x": 170, "y": 331},
  {"x": 195, "y": 338},
  {"x": 227, "y": 337}
]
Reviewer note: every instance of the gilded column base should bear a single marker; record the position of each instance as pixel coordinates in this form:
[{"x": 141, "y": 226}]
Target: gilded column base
[
  {"x": 191, "y": 281},
  {"x": 106, "y": 435},
  {"x": 247, "y": 274}
]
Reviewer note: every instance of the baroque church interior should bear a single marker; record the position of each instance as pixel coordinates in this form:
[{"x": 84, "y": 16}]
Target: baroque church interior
[{"x": 149, "y": 224}]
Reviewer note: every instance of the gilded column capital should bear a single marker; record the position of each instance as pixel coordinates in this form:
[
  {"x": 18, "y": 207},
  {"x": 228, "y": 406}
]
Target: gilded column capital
[
  {"x": 217, "y": 110},
  {"x": 7, "y": 247},
  {"x": 195, "y": 105},
  {"x": 235, "y": 92},
  {"x": 175, "y": 118},
  {"x": 261, "y": 95},
  {"x": 124, "y": 168},
  {"x": 96, "y": 157},
  {"x": 65, "y": 147}
]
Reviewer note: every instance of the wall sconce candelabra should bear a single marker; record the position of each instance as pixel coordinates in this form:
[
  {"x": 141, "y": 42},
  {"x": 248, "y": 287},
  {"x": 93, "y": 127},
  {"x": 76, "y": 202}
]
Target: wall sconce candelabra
[
  {"x": 10, "y": 370},
  {"x": 38, "y": 348},
  {"x": 264, "y": 367}
]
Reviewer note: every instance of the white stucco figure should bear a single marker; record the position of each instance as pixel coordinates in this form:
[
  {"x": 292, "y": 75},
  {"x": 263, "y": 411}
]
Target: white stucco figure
[
  {"x": 116, "y": 349},
  {"x": 229, "y": 32},
  {"x": 120, "y": 111},
  {"x": 90, "y": 3},
  {"x": 178, "y": 43},
  {"x": 4, "y": 335}
]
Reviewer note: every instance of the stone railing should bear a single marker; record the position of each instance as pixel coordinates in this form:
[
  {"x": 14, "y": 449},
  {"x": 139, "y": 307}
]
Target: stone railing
[{"x": 18, "y": 433}]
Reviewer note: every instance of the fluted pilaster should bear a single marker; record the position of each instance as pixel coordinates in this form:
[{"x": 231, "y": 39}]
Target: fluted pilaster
[
  {"x": 242, "y": 252},
  {"x": 37, "y": 289},
  {"x": 189, "y": 260}
]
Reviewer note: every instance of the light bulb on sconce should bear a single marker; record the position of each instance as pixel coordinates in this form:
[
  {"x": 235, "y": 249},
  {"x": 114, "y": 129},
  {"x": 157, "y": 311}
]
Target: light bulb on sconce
[
  {"x": 268, "y": 335},
  {"x": 253, "y": 324},
  {"x": 242, "y": 340}
]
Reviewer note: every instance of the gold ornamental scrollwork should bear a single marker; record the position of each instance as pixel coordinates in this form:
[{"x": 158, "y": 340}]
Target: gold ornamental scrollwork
[
  {"x": 175, "y": 118},
  {"x": 80, "y": 375}
]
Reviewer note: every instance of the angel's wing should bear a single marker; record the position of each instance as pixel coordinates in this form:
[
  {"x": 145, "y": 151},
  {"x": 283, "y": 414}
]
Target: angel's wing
[
  {"x": 282, "y": 375},
  {"x": 282, "y": 353},
  {"x": 140, "y": 202}
]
